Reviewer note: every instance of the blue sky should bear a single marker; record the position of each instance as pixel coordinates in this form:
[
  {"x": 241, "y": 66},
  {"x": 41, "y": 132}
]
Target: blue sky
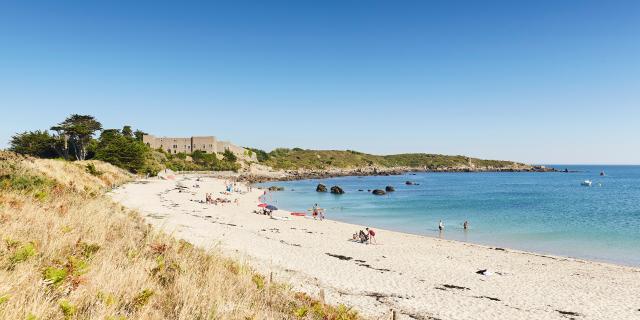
[{"x": 533, "y": 81}]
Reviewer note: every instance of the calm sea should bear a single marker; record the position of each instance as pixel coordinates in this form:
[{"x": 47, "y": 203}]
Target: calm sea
[{"x": 541, "y": 212}]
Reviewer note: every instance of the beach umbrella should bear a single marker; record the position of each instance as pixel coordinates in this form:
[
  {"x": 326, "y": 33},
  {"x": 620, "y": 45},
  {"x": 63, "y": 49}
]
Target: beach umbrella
[
  {"x": 271, "y": 207},
  {"x": 262, "y": 205}
]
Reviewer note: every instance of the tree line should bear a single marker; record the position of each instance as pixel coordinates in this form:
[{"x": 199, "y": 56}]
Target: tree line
[{"x": 73, "y": 140}]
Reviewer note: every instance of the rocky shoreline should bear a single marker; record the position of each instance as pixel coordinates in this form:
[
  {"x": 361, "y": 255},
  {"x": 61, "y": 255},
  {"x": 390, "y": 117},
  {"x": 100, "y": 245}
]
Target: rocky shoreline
[{"x": 304, "y": 174}]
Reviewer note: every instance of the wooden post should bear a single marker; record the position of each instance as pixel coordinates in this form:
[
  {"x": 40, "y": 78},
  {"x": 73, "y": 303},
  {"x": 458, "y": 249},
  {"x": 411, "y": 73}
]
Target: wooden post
[
  {"x": 270, "y": 277},
  {"x": 322, "y": 295},
  {"x": 393, "y": 314}
]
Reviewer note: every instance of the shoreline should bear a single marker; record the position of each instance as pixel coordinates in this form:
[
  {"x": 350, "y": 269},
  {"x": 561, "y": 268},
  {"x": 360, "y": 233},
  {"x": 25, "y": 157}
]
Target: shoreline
[
  {"x": 264, "y": 175},
  {"x": 417, "y": 275}
]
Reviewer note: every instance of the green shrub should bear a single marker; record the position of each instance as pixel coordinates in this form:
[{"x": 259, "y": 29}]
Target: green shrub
[
  {"x": 54, "y": 276},
  {"x": 68, "y": 309},
  {"x": 89, "y": 249},
  {"x": 91, "y": 169},
  {"x": 25, "y": 252},
  {"x": 258, "y": 280},
  {"x": 301, "y": 312},
  {"x": 25, "y": 183},
  {"x": 77, "y": 266},
  {"x": 142, "y": 298}
]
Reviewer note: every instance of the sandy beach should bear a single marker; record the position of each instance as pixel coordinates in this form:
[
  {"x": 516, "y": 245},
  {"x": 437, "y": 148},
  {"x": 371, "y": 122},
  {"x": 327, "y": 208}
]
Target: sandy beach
[{"x": 418, "y": 277}]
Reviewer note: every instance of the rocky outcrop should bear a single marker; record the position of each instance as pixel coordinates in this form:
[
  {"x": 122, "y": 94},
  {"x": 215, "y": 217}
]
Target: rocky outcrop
[
  {"x": 321, "y": 188},
  {"x": 276, "y": 188},
  {"x": 336, "y": 190},
  {"x": 389, "y": 189},
  {"x": 378, "y": 192}
]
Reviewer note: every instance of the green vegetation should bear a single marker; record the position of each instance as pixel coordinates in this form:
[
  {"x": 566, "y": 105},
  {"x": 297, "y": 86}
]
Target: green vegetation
[
  {"x": 36, "y": 143},
  {"x": 74, "y": 135},
  {"x": 68, "y": 309},
  {"x": 197, "y": 161},
  {"x": 54, "y": 276},
  {"x": 297, "y": 158},
  {"x": 124, "y": 151},
  {"x": 23, "y": 253},
  {"x": 73, "y": 140},
  {"x": 91, "y": 169},
  {"x": 260, "y": 154}
]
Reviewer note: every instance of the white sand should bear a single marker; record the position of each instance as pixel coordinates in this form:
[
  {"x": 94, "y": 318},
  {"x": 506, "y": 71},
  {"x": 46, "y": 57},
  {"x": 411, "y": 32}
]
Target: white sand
[{"x": 404, "y": 272}]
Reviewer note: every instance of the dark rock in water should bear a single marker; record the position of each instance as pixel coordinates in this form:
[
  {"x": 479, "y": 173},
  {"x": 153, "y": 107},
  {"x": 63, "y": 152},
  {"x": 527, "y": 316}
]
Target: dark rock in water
[
  {"x": 409, "y": 183},
  {"x": 276, "y": 188},
  {"x": 321, "y": 188},
  {"x": 368, "y": 190},
  {"x": 389, "y": 189},
  {"x": 336, "y": 190},
  {"x": 378, "y": 192}
]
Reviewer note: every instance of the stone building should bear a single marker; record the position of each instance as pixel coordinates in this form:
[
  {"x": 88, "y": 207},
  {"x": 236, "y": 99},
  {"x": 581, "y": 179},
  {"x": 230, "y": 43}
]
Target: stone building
[{"x": 207, "y": 144}]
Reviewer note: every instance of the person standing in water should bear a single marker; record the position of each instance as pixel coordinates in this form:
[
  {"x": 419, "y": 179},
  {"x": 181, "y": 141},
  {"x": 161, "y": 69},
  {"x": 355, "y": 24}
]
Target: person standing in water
[
  {"x": 441, "y": 225},
  {"x": 465, "y": 225}
]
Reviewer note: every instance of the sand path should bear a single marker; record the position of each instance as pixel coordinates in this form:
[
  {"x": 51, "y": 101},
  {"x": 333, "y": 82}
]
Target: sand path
[{"x": 419, "y": 277}]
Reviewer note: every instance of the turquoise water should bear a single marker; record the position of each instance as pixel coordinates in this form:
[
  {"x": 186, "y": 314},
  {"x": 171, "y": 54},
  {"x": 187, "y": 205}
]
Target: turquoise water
[{"x": 541, "y": 212}]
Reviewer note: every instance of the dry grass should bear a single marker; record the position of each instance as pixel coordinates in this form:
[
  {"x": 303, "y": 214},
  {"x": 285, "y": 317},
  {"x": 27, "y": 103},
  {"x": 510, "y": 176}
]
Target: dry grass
[{"x": 69, "y": 252}]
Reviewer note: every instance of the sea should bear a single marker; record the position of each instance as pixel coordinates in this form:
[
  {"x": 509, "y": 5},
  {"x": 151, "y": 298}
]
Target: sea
[{"x": 543, "y": 212}]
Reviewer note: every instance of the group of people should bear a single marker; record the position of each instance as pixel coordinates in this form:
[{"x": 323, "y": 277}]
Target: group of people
[
  {"x": 264, "y": 211},
  {"x": 465, "y": 225},
  {"x": 210, "y": 200},
  {"x": 230, "y": 186},
  {"x": 365, "y": 237}
]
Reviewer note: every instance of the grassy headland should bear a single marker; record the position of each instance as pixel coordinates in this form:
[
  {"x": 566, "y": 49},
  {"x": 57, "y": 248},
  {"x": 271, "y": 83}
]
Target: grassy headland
[
  {"x": 292, "y": 159},
  {"x": 69, "y": 252}
]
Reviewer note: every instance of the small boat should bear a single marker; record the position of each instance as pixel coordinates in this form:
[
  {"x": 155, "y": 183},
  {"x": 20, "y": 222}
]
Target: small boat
[{"x": 586, "y": 183}]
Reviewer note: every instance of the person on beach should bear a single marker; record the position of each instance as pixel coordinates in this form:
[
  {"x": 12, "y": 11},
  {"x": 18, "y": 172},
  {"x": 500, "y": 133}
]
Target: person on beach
[
  {"x": 372, "y": 236},
  {"x": 441, "y": 225},
  {"x": 363, "y": 237},
  {"x": 465, "y": 225},
  {"x": 314, "y": 211}
]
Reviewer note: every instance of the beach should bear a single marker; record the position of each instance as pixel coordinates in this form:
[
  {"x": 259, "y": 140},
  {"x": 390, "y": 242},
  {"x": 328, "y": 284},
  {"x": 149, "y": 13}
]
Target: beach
[{"x": 418, "y": 277}]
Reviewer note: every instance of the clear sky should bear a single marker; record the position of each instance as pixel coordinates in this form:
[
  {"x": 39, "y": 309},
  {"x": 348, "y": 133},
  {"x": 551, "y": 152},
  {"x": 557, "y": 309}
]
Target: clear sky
[{"x": 533, "y": 81}]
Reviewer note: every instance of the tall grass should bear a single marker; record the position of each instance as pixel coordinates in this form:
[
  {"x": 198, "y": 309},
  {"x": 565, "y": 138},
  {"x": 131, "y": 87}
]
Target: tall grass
[{"x": 69, "y": 252}]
